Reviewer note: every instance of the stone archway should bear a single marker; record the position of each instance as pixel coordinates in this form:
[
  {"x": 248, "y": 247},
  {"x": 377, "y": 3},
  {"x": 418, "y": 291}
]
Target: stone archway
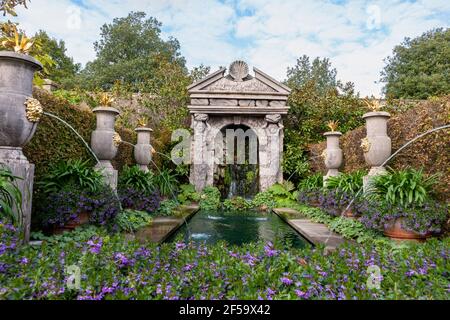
[{"x": 238, "y": 98}]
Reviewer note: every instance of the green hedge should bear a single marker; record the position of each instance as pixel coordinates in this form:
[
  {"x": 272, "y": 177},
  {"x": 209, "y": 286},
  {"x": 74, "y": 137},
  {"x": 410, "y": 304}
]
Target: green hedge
[{"x": 54, "y": 142}]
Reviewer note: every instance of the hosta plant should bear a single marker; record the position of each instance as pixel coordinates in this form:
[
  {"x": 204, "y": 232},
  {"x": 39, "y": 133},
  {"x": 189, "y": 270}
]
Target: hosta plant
[
  {"x": 10, "y": 196},
  {"x": 405, "y": 188},
  {"x": 347, "y": 183},
  {"x": 313, "y": 182},
  {"x": 134, "y": 177},
  {"x": 73, "y": 174}
]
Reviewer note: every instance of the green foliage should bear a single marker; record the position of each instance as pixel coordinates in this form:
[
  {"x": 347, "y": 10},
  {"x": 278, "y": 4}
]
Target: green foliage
[
  {"x": 352, "y": 229},
  {"x": 72, "y": 174},
  {"x": 63, "y": 67},
  {"x": 9, "y": 6},
  {"x": 76, "y": 97},
  {"x": 313, "y": 182},
  {"x": 134, "y": 177},
  {"x": 316, "y": 98},
  {"x": 419, "y": 67},
  {"x": 166, "y": 182},
  {"x": 237, "y": 204},
  {"x": 168, "y": 208},
  {"x": 405, "y": 187},
  {"x": 347, "y": 183},
  {"x": 210, "y": 199},
  {"x": 10, "y": 196},
  {"x": 131, "y": 47},
  {"x": 132, "y": 220},
  {"x": 110, "y": 261},
  {"x": 284, "y": 194},
  {"x": 319, "y": 71},
  {"x": 264, "y": 200},
  {"x": 188, "y": 194}
]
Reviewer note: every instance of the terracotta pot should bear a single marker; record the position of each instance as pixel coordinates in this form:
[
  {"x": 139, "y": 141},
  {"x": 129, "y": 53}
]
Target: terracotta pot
[
  {"x": 396, "y": 231},
  {"x": 349, "y": 213},
  {"x": 83, "y": 218}
]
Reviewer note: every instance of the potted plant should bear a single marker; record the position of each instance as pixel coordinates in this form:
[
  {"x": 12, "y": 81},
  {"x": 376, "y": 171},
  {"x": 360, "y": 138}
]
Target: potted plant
[{"x": 409, "y": 210}]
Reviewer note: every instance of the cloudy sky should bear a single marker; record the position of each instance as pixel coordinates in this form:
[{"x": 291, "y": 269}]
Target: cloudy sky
[{"x": 269, "y": 34}]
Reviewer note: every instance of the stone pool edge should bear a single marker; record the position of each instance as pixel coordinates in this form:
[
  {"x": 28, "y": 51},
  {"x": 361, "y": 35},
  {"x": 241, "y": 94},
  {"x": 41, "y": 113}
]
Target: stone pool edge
[
  {"x": 188, "y": 212},
  {"x": 315, "y": 233}
]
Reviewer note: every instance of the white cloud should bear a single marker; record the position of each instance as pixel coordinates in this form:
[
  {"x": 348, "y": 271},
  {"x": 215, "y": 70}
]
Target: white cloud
[{"x": 355, "y": 35}]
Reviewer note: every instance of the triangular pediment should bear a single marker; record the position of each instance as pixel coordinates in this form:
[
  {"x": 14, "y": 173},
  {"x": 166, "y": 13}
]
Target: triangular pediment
[{"x": 220, "y": 82}]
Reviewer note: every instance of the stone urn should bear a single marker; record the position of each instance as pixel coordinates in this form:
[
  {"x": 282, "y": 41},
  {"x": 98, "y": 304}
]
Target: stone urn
[
  {"x": 143, "y": 148},
  {"x": 19, "y": 116},
  {"x": 333, "y": 155},
  {"x": 16, "y": 86},
  {"x": 377, "y": 146},
  {"x": 104, "y": 142}
]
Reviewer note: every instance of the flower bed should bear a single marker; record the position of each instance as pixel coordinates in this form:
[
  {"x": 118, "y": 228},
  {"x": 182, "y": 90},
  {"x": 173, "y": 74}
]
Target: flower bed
[{"x": 112, "y": 268}]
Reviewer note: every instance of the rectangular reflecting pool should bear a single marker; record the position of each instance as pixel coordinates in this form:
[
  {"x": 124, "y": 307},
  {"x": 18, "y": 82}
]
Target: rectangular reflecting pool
[{"x": 237, "y": 228}]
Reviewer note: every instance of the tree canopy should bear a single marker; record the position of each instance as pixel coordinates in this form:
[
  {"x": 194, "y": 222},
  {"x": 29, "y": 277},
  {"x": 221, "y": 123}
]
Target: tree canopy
[
  {"x": 419, "y": 67},
  {"x": 130, "y": 50},
  {"x": 317, "y": 97},
  {"x": 318, "y": 72},
  {"x": 63, "y": 67}
]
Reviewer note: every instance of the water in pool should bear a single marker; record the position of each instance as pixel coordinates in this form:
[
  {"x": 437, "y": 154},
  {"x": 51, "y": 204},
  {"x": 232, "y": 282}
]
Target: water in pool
[{"x": 237, "y": 228}]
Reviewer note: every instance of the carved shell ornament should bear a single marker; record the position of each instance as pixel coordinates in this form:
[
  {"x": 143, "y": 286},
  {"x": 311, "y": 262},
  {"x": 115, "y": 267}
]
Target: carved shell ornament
[
  {"x": 33, "y": 109},
  {"x": 365, "y": 145},
  {"x": 239, "y": 70}
]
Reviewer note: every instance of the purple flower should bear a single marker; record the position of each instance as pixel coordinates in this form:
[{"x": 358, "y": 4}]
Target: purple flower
[
  {"x": 24, "y": 261},
  {"x": 180, "y": 246},
  {"x": 122, "y": 260},
  {"x": 95, "y": 245},
  {"x": 287, "y": 281},
  {"x": 269, "y": 250},
  {"x": 301, "y": 294}
]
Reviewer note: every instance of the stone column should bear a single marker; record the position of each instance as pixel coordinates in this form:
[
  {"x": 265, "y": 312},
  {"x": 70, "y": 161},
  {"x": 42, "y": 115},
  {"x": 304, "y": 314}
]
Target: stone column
[
  {"x": 377, "y": 145},
  {"x": 19, "y": 115},
  {"x": 199, "y": 167},
  {"x": 270, "y": 153},
  {"x": 104, "y": 143},
  {"x": 332, "y": 155},
  {"x": 143, "y": 149}
]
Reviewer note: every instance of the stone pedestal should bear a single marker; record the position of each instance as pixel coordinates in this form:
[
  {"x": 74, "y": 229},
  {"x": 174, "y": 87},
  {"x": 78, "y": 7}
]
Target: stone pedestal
[
  {"x": 143, "y": 148},
  {"x": 333, "y": 155},
  {"x": 19, "y": 117},
  {"x": 377, "y": 145},
  {"x": 19, "y": 166},
  {"x": 103, "y": 145}
]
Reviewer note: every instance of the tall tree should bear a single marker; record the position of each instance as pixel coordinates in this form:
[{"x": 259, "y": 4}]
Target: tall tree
[
  {"x": 129, "y": 50},
  {"x": 319, "y": 71},
  {"x": 317, "y": 97},
  {"x": 419, "y": 67},
  {"x": 64, "y": 68}
]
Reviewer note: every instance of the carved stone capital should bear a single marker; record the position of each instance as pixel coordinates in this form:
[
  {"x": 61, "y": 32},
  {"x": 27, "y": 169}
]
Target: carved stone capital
[
  {"x": 273, "y": 118},
  {"x": 201, "y": 117}
]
